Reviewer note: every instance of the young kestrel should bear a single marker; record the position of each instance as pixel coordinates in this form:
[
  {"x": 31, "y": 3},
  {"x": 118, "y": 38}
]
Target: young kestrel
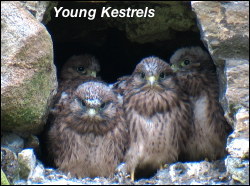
[
  {"x": 158, "y": 114},
  {"x": 76, "y": 70},
  {"x": 89, "y": 136},
  {"x": 197, "y": 77}
]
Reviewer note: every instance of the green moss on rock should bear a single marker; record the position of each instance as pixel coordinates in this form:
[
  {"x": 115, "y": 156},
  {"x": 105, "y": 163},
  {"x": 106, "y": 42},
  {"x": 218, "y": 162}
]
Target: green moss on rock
[
  {"x": 31, "y": 104},
  {"x": 4, "y": 180},
  {"x": 29, "y": 77}
]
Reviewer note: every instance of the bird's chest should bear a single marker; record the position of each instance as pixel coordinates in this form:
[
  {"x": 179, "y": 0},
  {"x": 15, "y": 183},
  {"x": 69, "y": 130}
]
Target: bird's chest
[
  {"x": 147, "y": 132},
  {"x": 201, "y": 112},
  {"x": 146, "y": 103},
  {"x": 92, "y": 149}
]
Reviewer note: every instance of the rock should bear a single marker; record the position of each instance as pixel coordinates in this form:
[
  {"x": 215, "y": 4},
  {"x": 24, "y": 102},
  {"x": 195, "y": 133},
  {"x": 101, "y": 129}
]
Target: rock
[
  {"x": 4, "y": 180},
  {"x": 238, "y": 147},
  {"x": 28, "y": 76},
  {"x": 38, "y": 174},
  {"x": 39, "y": 9},
  {"x": 242, "y": 122},
  {"x": 33, "y": 143},
  {"x": 13, "y": 142},
  {"x": 27, "y": 162},
  {"x": 237, "y": 83},
  {"x": 169, "y": 17},
  {"x": 177, "y": 173},
  {"x": 193, "y": 173},
  {"x": 9, "y": 164},
  {"x": 121, "y": 176},
  {"x": 239, "y": 169},
  {"x": 224, "y": 30}
]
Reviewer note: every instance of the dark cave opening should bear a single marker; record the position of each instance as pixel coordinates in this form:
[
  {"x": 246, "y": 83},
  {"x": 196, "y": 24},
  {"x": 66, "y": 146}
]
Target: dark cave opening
[{"x": 117, "y": 55}]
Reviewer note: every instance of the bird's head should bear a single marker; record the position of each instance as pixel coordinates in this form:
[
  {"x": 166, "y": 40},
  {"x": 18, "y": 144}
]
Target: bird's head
[
  {"x": 152, "y": 73},
  {"x": 95, "y": 106},
  {"x": 80, "y": 66},
  {"x": 152, "y": 87},
  {"x": 191, "y": 59}
]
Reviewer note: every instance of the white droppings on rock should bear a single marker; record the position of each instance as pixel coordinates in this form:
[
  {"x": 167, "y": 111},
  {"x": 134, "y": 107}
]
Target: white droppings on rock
[
  {"x": 239, "y": 148},
  {"x": 242, "y": 121},
  {"x": 238, "y": 168},
  {"x": 38, "y": 174},
  {"x": 63, "y": 182}
]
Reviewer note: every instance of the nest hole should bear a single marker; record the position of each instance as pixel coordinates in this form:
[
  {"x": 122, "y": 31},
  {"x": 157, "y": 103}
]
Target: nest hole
[{"x": 118, "y": 55}]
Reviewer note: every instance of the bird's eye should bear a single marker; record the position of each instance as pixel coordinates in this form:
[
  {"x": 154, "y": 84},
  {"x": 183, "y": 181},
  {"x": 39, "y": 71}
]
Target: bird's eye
[
  {"x": 103, "y": 105},
  {"x": 162, "y": 75},
  {"x": 80, "y": 69},
  {"x": 83, "y": 103},
  {"x": 185, "y": 62},
  {"x": 142, "y": 75}
]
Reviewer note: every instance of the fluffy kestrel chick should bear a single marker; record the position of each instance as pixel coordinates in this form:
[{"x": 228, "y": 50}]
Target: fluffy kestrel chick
[
  {"x": 197, "y": 77},
  {"x": 79, "y": 66},
  {"x": 158, "y": 114},
  {"x": 89, "y": 136},
  {"x": 78, "y": 69}
]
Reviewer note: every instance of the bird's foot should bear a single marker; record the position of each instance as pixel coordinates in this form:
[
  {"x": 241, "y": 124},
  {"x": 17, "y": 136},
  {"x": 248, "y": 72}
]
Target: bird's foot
[
  {"x": 132, "y": 176},
  {"x": 163, "y": 166}
]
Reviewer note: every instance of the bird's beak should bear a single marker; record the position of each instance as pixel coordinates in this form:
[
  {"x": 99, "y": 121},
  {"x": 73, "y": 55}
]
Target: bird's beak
[
  {"x": 93, "y": 73},
  {"x": 91, "y": 112},
  {"x": 151, "y": 80},
  {"x": 174, "y": 68}
]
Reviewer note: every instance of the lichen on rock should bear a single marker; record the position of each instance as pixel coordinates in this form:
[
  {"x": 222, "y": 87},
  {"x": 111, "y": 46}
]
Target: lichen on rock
[
  {"x": 9, "y": 164},
  {"x": 28, "y": 76},
  {"x": 27, "y": 162}
]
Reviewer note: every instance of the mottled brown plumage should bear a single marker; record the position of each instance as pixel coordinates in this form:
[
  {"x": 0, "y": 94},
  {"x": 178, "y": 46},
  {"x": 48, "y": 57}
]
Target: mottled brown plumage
[
  {"x": 197, "y": 77},
  {"x": 76, "y": 70},
  {"x": 120, "y": 85},
  {"x": 89, "y": 135},
  {"x": 79, "y": 66},
  {"x": 158, "y": 114}
]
